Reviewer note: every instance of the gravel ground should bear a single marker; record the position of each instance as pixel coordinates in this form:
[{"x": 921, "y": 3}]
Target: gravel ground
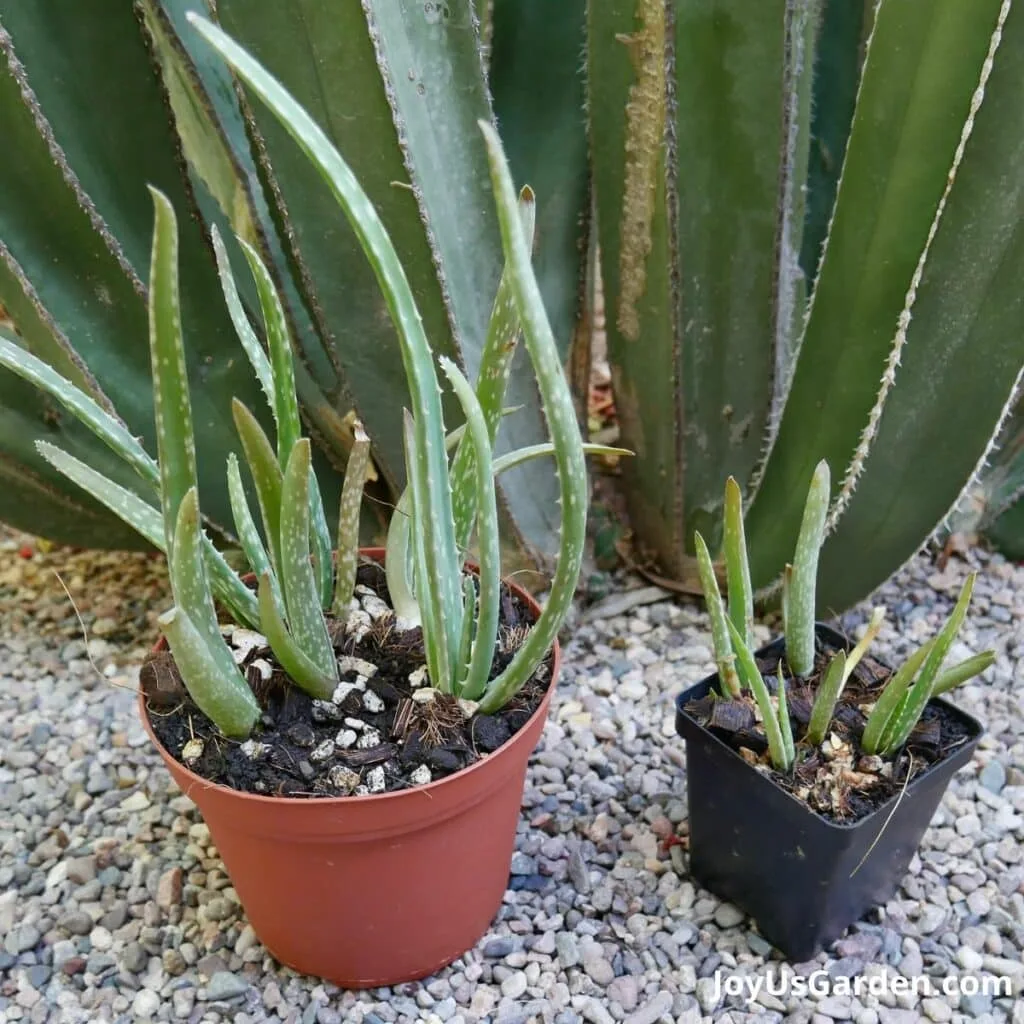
[{"x": 115, "y": 907}]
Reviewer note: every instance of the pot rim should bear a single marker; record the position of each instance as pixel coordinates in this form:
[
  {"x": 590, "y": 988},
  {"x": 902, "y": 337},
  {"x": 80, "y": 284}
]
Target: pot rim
[
  {"x": 833, "y": 635},
  {"x": 378, "y": 799}
]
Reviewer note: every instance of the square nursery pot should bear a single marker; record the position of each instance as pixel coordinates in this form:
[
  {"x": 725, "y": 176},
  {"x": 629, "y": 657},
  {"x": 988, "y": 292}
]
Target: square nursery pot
[
  {"x": 374, "y": 890},
  {"x": 804, "y": 879}
]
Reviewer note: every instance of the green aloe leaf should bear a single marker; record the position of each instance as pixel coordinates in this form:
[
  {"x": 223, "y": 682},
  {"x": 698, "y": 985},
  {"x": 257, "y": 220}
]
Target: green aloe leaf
[
  {"x": 734, "y": 547},
  {"x": 803, "y": 581},
  {"x": 960, "y": 673},
  {"x": 923, "y": 66},
  {"x": 348, "y": 524},
  {"x": 472, "y": 677},
  {"x": 724, "y": 656},
  {"x": 298, "y": 580},
  {"x": 221, "y": 694},
  {"x": 891, "y": 697},
  {"x": 303, "y": 670},
  {"x": 825, "y": 699},
  {"x": 266, "y": 475},
  {"x": 441, "y": 562},
  {"x": 245, "y": 526}
]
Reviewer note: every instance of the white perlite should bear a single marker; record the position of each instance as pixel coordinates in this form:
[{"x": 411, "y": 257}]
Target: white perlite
[
  {"x": 262, "y": 668},
  {"x": 343, "y": 779},
  {"x": 323, "y": 752},
  {"x": 372, "y": 703},
  {"x": 192, "y": 751},
  {"x": 326, "y": 711},
  {"x": 417, "y": 677},
  {"x": 342, "y": 690},
  {"x": 244, "y": 641},
  {"x": 424, "y": 695},
  {"x": 254, "y": 750},
  {"x": 346, "y": 739},
  {"x": 370, "y": 738},
  {"x": 421, "y": 776},
  {"x": 375, "y": 781},
  {"x": 361, "y": 667}
]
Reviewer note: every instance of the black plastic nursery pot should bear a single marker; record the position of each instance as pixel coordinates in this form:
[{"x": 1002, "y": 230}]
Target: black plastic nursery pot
[{"x": 803, "y": 878}]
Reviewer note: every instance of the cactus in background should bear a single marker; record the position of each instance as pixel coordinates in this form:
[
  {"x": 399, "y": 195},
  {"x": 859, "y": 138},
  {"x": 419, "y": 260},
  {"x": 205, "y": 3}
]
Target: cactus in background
[{"x": 897, "y": 355}]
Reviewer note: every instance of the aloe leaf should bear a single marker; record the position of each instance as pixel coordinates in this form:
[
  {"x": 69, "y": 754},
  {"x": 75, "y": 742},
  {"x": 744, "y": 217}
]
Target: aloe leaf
[
  {"x": 472, "y": 678},
  {"x": 890, "y": 698},
  {"x": 266, "y": 475},
  {"x": 147, "y": 521},
  {"x": 435, "y": 640},
  {"x": 222, "y": 695},
  {"x": 734, "y": 546},
  {"x": 750, "y": 676},
  {"x": 441, "y": 561},
  {"x": 469, "y": 613},
  {"x": 306, "y": 674},
  {"x": 298, "y": 580},
  {"x": 960, "y": 364},
  {"x": 960, "y": 673},
  {"x": 861, "y": 648},
  {"x": 922, "y": 689},
  {"x": 492, "y": 380},
  {"x": 535, "y": 451},
  {"x": 245, "y": 525},
  {"x": 108, "y": 429},
  {"x": 785, "y": 725},
  {"x": 537, "y": 104},
  {"x": 804, "y": 581},
  {"x": 570, "y": 463},
  {"x": 246, "y": 335},
  {"x": 825, "y": 699},
  {"x": 916, "y": 103},
  {"x": 724, "y": 656},
  {"x": 138, "y": 514},
  {"x": 787, "y": 588},
  {"x": 348, "y": 524},
  {"x": 171, "y": 403},
  {"x": 286, "y": 409}
]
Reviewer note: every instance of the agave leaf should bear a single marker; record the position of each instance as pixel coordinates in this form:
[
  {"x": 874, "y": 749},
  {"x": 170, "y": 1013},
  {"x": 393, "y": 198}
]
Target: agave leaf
[
  {"x": 476, "y": 674},
  {"x": 724, "y": 655},
  {"x": 960, "y": 673},
  {"x": 298, "y": 580},
  {"x": 303, "y": 670},
  {"x": 734, "y": 545},
  {"x": 963, "y": 350},
  {"x": 894, "y": 692},
  {"x": 923, "y": 66},
  {"x": 825, "y": 699},
  {"x": 441, "y": 562},
  {"x": 348, "y": 522},
  {"x": 220, "y": 693},
  {"x": 804, "y": 580}
]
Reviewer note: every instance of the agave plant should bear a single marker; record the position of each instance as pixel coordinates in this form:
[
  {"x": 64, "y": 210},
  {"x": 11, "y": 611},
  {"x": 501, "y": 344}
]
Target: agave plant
[
  {"x": 899, "y": 707},
  {"x": 809, "y": 251},
  {"x": 298, "y": 586}
]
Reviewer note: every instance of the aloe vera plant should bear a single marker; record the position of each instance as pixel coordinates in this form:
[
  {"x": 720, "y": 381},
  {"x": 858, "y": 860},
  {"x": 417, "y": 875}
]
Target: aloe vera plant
[
  {"x": 447, "y": 502},
  {"x": 906, "y": 694}
]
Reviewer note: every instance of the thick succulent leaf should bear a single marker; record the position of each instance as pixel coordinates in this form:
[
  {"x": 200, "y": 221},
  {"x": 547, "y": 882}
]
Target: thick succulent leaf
[
  {"x": 560, "y": 412},
  {"x": 221, "y": 694},
  {"x": 472, "y": 677},
  {"x": 109, "y": 136},
  {"x": 440, "y": 580},
  {"x": 923, "y": 65},
  {"x": 245, "y": 525},
  {"x": 724, "y": 656},
  {"x": 347, "y": 547},
  {"x": 803, "y": 581},
  {"x": 737, "y": 569},
  {"x": 628, "y": 112},
  {"x": 829, "y": 689},
  {"x": 953, "y": 677},
  {"x": 266, "y": 475},
  {"x": 536, "y": 77},
  {"x": 891, "y": 697},
  {"x": 298, "y": 578}
]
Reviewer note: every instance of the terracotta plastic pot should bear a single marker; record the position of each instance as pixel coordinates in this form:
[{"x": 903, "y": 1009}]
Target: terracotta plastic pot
[{"x": 373, "y": 890}]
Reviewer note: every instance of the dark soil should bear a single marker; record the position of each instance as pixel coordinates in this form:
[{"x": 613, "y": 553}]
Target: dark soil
[
  {"x": 437, "y": 734},
  {"x": 838, "y": 780}
]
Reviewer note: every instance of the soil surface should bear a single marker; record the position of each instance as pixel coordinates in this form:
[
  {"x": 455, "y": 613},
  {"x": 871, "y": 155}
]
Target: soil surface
[
  {"x": 837, "y": 779},
  {"x": 385, "y": 730}
]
